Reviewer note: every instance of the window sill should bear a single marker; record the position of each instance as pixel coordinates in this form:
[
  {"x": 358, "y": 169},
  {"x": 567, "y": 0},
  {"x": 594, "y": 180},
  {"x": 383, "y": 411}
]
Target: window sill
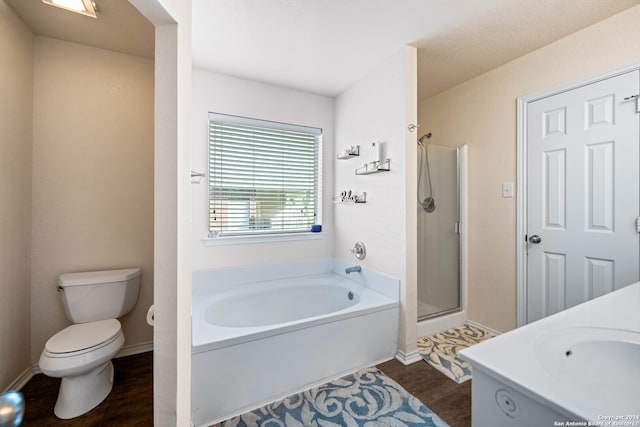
[{"x": 269, "y": 238}]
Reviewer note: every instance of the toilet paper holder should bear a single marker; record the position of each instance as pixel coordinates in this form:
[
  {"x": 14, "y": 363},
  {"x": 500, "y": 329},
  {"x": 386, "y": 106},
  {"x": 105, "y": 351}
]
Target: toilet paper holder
[{"x": 151, "y": 315}]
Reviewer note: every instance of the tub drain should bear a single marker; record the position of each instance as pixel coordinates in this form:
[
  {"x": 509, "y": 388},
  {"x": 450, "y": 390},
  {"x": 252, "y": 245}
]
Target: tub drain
[{"x": 350, "y": 295}]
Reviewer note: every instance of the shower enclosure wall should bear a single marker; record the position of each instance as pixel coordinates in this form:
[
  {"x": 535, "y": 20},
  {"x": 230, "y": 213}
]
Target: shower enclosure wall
[{"x": 440, "y": 239}]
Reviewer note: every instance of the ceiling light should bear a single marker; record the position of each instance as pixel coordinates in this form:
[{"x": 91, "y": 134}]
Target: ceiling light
[{"x": 85, "y": 7}]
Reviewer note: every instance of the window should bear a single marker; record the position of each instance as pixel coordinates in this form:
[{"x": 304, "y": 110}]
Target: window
[{"x": 263, "y": 176}]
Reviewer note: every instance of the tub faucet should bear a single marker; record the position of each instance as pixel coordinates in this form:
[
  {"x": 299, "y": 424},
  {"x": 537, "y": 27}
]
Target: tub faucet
[{"x": 354, "y": 269}]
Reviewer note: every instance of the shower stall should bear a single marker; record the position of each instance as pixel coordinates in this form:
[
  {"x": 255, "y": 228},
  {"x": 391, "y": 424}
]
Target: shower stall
[{"x": 440, "y": 228}]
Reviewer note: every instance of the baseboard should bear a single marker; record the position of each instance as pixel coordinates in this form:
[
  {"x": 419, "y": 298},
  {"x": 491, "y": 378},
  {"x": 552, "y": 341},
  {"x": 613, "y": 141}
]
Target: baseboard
[
  {"x": 130, "y": 350},
  {"x": 28, "y": 373},
  {"x": 484, "y": 328},
  {"x": 408, "y": 358},
  {"x": 22, "y": 380}
]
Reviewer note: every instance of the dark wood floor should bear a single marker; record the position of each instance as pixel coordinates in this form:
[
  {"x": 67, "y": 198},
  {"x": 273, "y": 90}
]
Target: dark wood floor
[
  {"x": 131, "y": 400},
  {"x": 451, "y": 401},
  {"x": 130, "y": 403}
]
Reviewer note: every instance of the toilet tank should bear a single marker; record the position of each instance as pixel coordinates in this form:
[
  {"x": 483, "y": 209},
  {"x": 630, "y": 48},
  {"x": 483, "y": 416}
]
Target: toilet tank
[{"x": 99, "y": 295}]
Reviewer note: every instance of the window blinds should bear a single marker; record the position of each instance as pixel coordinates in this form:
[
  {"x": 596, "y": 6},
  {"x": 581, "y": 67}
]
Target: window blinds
[{"x": 263, "y": 176}]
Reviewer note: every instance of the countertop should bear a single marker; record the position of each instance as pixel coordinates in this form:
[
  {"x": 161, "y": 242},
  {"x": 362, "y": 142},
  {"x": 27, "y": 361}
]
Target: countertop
[{"x": 515, "y": 358}]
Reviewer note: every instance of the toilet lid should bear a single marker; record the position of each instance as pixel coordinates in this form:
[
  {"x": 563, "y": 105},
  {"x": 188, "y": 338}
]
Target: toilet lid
[{"x": 83, "y": 336}]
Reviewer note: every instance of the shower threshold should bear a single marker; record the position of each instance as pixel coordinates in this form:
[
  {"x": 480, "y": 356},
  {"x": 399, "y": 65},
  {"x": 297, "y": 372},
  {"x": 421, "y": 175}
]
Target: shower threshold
[
  {"x": 439, "y": 313},
  {"x": 441, "y": 321}
]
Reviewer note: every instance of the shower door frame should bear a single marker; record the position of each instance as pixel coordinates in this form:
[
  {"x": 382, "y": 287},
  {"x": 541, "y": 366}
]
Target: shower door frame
[{"x": 453, "y": 317}]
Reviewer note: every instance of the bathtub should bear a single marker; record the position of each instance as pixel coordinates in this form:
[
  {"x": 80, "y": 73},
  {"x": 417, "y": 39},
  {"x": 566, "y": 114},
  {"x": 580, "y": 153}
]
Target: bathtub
[{"x": 265, "y": 332}]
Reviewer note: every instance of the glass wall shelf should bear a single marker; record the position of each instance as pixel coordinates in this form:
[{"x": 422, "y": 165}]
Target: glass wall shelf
[
  {"x": 374, "y": 167},
  {"x": 349, "y": 152}
]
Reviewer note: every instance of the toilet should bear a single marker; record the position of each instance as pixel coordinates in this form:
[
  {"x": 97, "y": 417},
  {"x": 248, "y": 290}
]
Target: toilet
[{"x": 81, "y": 353}]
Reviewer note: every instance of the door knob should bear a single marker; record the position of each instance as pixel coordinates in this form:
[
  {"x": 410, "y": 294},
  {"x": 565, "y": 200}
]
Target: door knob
[{"x": 535, "y": 239}]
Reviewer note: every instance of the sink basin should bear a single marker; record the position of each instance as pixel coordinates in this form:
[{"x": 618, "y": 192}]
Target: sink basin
[{"x": 598, "y": 364}]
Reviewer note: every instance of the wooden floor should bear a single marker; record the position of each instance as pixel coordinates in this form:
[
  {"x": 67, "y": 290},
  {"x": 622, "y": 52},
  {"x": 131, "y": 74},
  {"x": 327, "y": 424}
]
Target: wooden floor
[
  {"x": 129, "y": 404},
  {"x": 131, "y": 400},
  {"x": 451, "y": 401}
]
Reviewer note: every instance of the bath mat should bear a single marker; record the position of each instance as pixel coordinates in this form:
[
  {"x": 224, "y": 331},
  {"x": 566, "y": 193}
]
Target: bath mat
[
  {"x": 440, "y": 350},
  {"x": 366, "y": 398}
]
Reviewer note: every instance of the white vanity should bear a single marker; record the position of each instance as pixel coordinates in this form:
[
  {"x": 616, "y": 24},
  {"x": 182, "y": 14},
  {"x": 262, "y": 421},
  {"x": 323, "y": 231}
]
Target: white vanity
[{"x": 579, "y": 367}]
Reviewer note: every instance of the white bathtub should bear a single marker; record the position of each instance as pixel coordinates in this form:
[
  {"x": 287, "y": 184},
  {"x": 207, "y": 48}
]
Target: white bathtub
[
  {"x": 280, "y": 301},
  {"x": 258, "y": 341}
]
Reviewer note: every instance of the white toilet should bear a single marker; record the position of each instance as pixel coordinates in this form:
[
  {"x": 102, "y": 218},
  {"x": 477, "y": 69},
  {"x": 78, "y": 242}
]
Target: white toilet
[{"x": 81, "y": 353}]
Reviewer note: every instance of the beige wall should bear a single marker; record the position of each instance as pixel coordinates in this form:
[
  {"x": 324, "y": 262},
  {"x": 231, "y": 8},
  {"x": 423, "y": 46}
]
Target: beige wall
[
  {"x": 482, "y": 113},
  {"x": 16, "y": 107},
  {"x": 92, "y": 176}
]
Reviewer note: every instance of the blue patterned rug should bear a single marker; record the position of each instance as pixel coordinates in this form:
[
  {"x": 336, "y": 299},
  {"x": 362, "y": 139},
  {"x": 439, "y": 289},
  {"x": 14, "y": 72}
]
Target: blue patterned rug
[
  {"x": 366, "y": 398},
  {"x": 441, "y": 350}
]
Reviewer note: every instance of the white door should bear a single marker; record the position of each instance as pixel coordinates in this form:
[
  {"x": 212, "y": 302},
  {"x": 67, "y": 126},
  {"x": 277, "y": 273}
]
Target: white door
[{"x": 583, "y": 194}]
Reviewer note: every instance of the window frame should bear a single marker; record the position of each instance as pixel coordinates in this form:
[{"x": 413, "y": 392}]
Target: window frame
[{"x": 258, "y": 235}]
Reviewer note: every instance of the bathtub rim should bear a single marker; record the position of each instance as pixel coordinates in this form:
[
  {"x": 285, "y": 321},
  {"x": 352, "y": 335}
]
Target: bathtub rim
[
  {"x": 233, "y": 276},
  {"x": 203, "y": 337}
]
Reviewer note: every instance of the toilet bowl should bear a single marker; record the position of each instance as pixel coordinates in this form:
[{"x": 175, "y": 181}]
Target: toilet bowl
[{"x": 81, "y": 355}]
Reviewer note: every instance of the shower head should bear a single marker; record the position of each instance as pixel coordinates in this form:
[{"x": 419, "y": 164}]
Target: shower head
[
  {"x": 421, "y": 139},
  {"x": 429, "y": 203}
]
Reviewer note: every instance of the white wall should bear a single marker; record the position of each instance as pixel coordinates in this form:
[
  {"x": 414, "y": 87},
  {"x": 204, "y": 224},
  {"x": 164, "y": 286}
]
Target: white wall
[
  {"x": 92, "y": 177},
  {"x": 172, "y": 287},
  {"x": 16, "y": 112},
  {"x": 230, "y": 95},
  {"x": 172, "y": 284},
  {"x": 482, "y": 113},
  {"x": 379, "y": 108}
]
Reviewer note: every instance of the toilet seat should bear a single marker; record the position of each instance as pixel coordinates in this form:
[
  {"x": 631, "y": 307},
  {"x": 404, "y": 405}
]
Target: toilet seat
[
  {"x": 79, "y": 362},
  {"x": 82, "y": 338}
]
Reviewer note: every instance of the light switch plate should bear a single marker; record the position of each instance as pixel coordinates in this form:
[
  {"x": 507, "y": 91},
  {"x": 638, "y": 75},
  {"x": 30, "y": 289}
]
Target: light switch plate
[{"x": 507, "y": 189}]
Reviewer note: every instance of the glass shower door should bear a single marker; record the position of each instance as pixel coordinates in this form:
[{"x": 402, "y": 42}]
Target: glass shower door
[{"x": 438, "y": 237}]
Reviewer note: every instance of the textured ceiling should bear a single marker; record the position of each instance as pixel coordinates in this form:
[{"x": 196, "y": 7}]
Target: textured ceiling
[
  {"x": 500, "y": 32},
  {"x": 324, "y": 46}
]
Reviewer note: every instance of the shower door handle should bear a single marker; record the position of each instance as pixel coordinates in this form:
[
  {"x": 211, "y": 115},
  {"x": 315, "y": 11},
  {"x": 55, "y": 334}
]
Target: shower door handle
[{"x": 535, "y": 239}]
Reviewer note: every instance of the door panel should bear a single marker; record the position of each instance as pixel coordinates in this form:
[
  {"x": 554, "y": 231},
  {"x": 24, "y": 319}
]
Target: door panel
[
  {"x": 583, "y": 194},
  {"x": 599, "y": 186},
  {"x": 555, "y": 282},
  {"x": 554, "y": 200},
  {"x": 599, "y": 275}
]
